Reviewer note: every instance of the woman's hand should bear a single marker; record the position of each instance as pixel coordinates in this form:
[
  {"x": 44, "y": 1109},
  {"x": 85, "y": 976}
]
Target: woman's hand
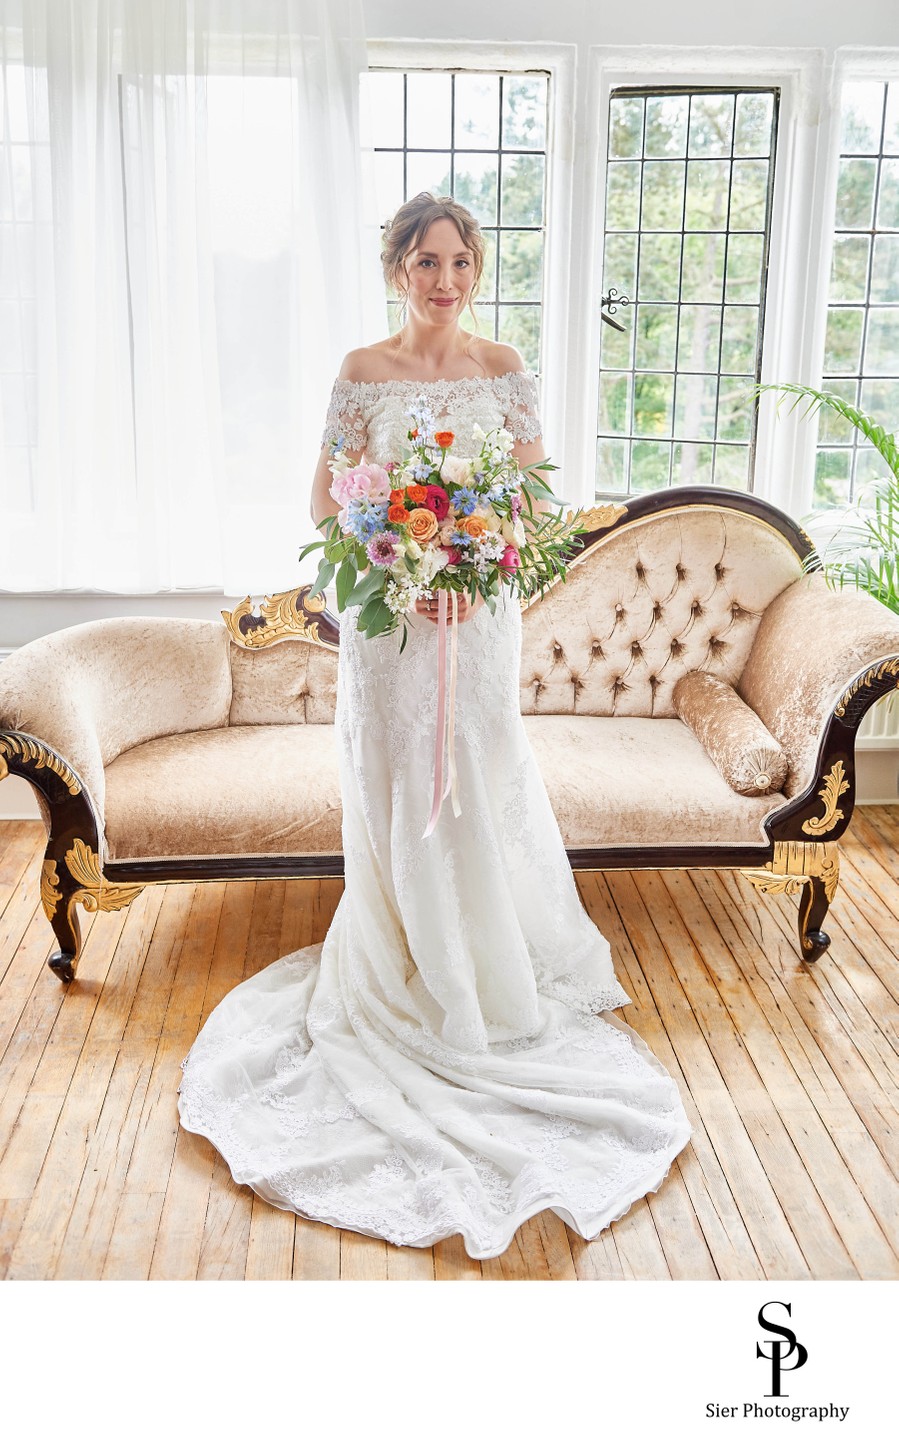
[{"x": 464, "y": 610}]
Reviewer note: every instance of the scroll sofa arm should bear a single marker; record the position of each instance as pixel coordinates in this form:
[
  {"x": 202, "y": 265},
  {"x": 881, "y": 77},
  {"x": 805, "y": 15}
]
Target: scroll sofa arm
[
  {"x": 820, "y": 657},
  {"x": 59, "y": 788},
  {"x": 91, "y": 691}
]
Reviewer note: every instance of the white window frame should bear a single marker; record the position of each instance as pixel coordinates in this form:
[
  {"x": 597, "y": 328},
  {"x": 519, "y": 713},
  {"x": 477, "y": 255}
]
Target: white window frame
[
  {"x": 784, "y": 462},
  {"x": 559, "y": 61},
  {"x": 850, "y": 62}
]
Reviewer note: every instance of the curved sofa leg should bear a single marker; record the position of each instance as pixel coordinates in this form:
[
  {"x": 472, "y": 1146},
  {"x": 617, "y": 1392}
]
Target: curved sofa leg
[
  {"x": 814, "y": 901},
  {"x": 813, "y": 871},
  {"x": 58, "y": 896},
  {"x": 67, "y": 929},
  {"x": 71, "y": 872},
  {"x": 76, "y": 879}
]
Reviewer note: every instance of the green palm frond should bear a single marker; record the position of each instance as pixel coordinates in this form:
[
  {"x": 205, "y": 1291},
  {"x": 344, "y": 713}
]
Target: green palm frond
[
  {"x": 874, "y": 433},
  {"x": 864, "y": 550}
]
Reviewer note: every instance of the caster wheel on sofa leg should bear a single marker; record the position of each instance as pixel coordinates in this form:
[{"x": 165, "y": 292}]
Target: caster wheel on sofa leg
[
  {"x": 815, "y": 943},
  {"x": 63, "y": 966}
]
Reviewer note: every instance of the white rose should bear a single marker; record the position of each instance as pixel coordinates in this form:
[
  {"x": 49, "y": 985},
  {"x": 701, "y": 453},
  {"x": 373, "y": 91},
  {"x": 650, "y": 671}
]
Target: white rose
[
  {"x": 492, "y": 520},
  {"x": 518, "y": 530},
  {"x": 455, "y": 470}
]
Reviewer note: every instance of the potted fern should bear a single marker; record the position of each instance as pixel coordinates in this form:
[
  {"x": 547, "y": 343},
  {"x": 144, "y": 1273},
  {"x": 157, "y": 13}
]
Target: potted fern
[{"x": 864, "y": 549}]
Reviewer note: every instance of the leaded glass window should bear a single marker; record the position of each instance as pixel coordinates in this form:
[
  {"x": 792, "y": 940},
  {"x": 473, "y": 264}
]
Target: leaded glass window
[
  {"x": 687, "y": 218},
  {"x": 480, "y": 137},
  {"x": 861, "y": 353}
]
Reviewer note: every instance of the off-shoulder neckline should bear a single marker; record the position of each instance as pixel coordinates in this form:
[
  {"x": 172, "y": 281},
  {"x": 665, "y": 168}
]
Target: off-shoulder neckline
[{"x": 462, "y": 379}]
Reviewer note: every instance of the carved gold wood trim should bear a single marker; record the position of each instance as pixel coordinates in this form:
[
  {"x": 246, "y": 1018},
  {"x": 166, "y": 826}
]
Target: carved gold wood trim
[
  {"x": 599, "y": 517},
  {"x": 94, "y": 893},
  {"x": 50, "y": 894},
  {"x": 888, "y": 666},
  {"x": 834, "y": 785},
  {"x": 41, "y": 756},
  {"x": 795, "y": 863},
  {"x": 284, "y": 619}
]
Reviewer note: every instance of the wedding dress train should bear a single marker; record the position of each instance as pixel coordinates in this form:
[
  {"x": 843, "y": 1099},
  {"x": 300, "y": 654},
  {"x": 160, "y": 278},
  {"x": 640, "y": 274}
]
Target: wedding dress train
[{"x": 444, "y": 1061}]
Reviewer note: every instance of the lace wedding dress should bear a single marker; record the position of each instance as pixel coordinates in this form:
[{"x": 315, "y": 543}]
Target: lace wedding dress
[{"x": 444, "y": 1061}]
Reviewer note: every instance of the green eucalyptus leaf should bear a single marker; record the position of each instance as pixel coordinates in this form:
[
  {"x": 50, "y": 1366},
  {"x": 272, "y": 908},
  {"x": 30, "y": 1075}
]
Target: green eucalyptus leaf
[
  {"x": 346, "y": 579},
  {"x": 382, "y": 618},
  {"x": 369, "y": 584},
  {"x": 325, "y": 575}
]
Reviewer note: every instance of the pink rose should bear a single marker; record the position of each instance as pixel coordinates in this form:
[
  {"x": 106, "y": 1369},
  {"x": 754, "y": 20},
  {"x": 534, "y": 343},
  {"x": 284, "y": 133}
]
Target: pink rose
[
  {"x": 453, "y": 555},
  {"x": 364, "y": 481},
  {"x": 338, "y": 490},
  {"x": 511, "y": 559},
  {"x": 437, "y": 501}
]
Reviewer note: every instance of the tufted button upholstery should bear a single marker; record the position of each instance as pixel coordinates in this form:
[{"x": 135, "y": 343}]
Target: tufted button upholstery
[
  {"x": 291, "y": 682},
  {"x": 676, "y": 591}
]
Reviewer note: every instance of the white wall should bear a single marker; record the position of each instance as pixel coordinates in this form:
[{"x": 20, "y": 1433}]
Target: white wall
[{"x": 650, "y": 22}]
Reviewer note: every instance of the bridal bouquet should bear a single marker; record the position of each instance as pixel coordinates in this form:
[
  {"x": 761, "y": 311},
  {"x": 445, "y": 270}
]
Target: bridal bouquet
[{"x": 434, "y": 521}]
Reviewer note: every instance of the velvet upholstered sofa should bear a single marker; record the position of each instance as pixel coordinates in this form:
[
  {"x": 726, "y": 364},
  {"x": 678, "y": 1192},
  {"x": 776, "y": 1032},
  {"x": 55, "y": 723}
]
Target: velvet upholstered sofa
[{"x": 170, "y": 749}]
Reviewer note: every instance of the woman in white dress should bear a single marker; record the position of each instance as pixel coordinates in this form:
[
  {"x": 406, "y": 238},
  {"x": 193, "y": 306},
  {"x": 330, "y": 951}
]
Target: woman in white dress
[{"x": 445, "y": 1061}]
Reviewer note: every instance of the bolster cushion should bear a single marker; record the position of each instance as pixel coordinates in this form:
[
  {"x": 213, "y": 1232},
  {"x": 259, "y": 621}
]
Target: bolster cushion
[{"x": 732, "y": 734}]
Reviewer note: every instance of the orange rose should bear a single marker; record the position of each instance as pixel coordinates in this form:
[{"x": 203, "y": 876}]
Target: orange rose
[
  {"x": 422, "y": 525},
  {"x": 473, "y": 524},
  {"x": 397, "y": 514},
  {"x": 418, "y": 493},
  {"x": 444, "y": 438},
  {"x": 397, "y": 496}
]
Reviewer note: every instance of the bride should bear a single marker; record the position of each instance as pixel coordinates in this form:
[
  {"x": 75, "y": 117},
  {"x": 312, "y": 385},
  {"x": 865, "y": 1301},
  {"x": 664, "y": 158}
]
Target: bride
[{"x": 445, "y": 1061}]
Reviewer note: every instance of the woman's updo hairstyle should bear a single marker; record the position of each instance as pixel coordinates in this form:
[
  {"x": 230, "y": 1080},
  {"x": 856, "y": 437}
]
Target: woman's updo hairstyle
[{"x": 408, "y": 227}]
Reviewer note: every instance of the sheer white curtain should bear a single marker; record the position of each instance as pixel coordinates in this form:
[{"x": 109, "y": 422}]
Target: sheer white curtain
[{"x": 184, "y": 257}]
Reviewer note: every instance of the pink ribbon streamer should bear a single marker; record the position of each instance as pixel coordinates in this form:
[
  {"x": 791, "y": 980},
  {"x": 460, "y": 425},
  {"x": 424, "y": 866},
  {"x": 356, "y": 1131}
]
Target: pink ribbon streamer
[{"x": 452, "y": 778}]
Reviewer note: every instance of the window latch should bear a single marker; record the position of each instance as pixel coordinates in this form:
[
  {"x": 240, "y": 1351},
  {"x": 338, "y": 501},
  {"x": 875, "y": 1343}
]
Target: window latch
[{"x": 609, "y": 304}]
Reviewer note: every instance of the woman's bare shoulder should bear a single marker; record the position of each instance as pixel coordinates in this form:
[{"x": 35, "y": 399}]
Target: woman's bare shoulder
[
  {"x": 502, "y": 359},
  {"x": 367, "y": 365}
]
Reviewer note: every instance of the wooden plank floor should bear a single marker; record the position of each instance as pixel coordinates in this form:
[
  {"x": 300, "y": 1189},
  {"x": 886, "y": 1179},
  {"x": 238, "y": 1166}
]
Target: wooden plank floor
[{"x": 790, "y": 1076}]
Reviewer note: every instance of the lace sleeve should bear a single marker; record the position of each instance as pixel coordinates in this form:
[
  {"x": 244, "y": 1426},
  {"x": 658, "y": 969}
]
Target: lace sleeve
[
  {"x": 346, "y": 416},
  {"x": 522, "y": 405}
]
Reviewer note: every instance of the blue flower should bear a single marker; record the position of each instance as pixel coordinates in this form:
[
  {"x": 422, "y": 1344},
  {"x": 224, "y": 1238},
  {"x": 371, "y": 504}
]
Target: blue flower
[
  {"x": 465, "y": 500},
  {"x": 365, "y": 517}
]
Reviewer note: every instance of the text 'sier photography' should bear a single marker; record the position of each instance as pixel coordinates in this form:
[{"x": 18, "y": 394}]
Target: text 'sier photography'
[{"x": 784, "y": 1355}]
